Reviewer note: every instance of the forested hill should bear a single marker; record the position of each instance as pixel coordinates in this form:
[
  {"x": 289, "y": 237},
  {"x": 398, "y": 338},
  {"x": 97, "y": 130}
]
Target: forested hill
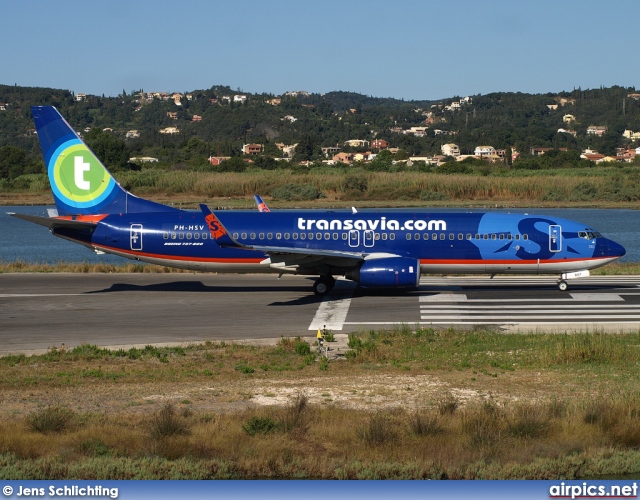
[{"x": 219, "y": 121}]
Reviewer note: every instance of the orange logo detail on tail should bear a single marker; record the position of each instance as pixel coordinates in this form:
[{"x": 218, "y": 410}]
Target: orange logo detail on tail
[{"x": 215, "y": 227}]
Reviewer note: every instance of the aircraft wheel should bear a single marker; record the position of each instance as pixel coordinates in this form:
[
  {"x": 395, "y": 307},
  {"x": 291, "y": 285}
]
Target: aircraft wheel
[
  {"x": 323, "y": 285},
  {"x": 563, "y": 286}
]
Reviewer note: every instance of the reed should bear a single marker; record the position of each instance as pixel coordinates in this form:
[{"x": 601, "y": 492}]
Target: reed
[{"x": 599, "y": 184}]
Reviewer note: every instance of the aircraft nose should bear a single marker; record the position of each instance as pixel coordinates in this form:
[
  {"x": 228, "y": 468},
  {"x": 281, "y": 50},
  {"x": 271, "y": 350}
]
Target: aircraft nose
[{"x": 616, "y": 250}]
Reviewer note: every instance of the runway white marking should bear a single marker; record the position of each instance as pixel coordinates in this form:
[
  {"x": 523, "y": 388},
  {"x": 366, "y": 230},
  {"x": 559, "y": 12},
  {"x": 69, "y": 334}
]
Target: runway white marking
[
  {"x": 580, "y": 307},
  {"x": 19, "y": 295},
  {"x": 331, "y": 314},
  {"x": 574, "y": 307}
]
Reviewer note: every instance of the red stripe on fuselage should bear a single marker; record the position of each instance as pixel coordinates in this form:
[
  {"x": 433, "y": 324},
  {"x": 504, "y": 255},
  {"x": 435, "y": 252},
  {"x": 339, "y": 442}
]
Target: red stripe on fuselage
[
  {"x": 512, "y": 262},
  {"x": 135, "y": 253}
]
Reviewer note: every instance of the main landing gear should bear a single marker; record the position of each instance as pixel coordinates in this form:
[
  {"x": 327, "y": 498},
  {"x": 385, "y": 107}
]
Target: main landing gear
[{"x": 323, "y": 285}]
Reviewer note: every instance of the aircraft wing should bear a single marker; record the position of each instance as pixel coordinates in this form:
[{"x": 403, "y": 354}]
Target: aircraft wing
[{"x": 56, "y": 223}]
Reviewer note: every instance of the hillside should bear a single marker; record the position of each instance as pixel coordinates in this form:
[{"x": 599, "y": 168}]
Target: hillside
[{"x": 218, "y": 121}]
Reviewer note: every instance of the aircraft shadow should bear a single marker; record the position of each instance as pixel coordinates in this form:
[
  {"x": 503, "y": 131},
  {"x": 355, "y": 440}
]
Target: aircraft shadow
[
  {"x": 306, "y": 296},
  {"x": 197, "y": 287}
]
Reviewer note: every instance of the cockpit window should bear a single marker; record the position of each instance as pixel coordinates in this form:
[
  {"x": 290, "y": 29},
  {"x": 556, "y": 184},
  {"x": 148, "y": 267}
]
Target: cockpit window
[{"x": 589, "y": 235}]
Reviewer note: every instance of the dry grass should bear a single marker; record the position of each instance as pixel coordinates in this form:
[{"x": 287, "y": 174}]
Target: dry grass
[{"x": 481, "y": 409}]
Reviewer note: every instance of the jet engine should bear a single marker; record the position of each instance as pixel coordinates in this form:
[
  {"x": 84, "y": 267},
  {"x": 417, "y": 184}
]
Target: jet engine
[{"x": 387, "y": 272}]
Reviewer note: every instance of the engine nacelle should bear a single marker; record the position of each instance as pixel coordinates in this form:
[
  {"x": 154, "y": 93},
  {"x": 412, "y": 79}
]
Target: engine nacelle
[{"x": 387, "y": 272}]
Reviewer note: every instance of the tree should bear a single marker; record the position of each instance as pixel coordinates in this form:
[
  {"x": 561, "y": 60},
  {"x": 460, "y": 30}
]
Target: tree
[
  {"x": 13, "y": 162},
  {"x": 234, "y": 164},
  {"x": 111, "y": 150}
]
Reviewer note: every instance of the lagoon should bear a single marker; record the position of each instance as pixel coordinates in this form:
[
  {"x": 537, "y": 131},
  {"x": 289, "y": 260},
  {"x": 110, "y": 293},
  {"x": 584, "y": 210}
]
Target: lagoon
[{"x": 21, "y": 240}]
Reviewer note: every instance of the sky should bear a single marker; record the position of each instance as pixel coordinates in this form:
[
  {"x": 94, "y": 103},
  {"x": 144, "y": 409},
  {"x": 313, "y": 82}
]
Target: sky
[{"x": 420, "y": 49}]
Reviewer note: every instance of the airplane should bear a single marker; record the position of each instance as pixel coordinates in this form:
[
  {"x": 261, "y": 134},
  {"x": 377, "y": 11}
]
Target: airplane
[{"x": 374, "y": 248}]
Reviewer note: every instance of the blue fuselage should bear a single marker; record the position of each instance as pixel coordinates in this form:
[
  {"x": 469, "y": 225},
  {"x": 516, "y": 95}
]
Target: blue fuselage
[{"x": 442, "y": 242}]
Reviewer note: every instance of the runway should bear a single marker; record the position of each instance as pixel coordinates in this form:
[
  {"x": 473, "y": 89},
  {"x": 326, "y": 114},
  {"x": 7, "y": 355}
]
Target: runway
[{"x": 38, "y": 311}]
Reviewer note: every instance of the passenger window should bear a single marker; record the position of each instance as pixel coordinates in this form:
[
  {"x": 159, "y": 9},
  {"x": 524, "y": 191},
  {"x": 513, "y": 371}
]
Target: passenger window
[
  {"x": 493, "y": 237},
  {"x": 509, "y": 236},
  {"x": 477, "y": 236},
  {"x": 525, "y": 236},
  {"x": 327, "y": 236},
  {"x": 244, "y": 236},
  {"x": 286, "y": 236},
  {"x": 318, "y": 236},
  {"x": 204, "y": 236},
  {"x": 181, "y": 236},
  {"x": 278, "y": 236},
  {"x": 434, "y": 236},
  {"x": 376, "y": 237},
  {"x": 517, "y": 236},
  {"x": 295, "y": 236},
  {"x": 165, "y": 236},
  {"x": 261, "y": 236},
  {"x": 468, "y": 236},
  {"x": 173, "y": 236},
  {"x": 452, "y": 236},
  {"x": 269, "y": 236},
  {"x": 344, "y": 236},
  {"x": 196, "y": 236},
  {"x": 501, "y": 236},
  {"x": 310, "y": 236},
  {"x": 188, "y": 236},
  {"x": 460, "y": 236},
  {"x": 392, "y": 236},
  {"x": 252, "y": 236},
  {"x": 408, "y": 236},
  {"x": 384, "y": 236},
  {"x": 425, "y": 236},
  {"x": 335, "y": 236},
  {"x": 442, "y": 236},
  {"x": 485, "y": 236},
  {"x": 416, "y": 236},
  {"x": 303, "y": 236}
]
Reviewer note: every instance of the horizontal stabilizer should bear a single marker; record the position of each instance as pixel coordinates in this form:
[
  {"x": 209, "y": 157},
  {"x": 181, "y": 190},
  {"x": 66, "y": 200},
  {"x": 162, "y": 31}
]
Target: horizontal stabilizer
[{"x": 53, "y": 223}]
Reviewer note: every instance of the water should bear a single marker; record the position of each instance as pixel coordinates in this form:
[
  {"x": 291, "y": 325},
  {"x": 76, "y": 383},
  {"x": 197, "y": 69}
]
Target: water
[{"x": 32, "y": 243}]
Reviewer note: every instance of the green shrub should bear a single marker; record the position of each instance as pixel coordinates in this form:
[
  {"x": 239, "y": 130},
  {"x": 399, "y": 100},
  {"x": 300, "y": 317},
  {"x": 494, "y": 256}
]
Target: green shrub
[
  {"x": 378, "y": 430},
  {"x": 428, "y": 195},
  {"x": 302, "y": 348},
  {"x": 422, "y": 424},
  {"x": 528, "y": 421},
  {"x": 50, "y": 419},
  {"x": 259, "y": 425},
  {"x": 166, "y": 423},
  {"x": 296, "y": 192},
  {"x": 244, "y": 368}
]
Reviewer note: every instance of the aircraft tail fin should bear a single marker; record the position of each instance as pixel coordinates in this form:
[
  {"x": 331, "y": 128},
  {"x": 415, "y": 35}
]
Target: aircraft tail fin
[{"x": 81, "y": 184}]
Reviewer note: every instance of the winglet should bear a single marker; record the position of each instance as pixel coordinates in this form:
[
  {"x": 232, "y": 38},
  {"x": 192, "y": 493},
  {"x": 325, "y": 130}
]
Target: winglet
[
  {"x": 217, "y": 230},
  {"x": 262, "y": 206}
]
